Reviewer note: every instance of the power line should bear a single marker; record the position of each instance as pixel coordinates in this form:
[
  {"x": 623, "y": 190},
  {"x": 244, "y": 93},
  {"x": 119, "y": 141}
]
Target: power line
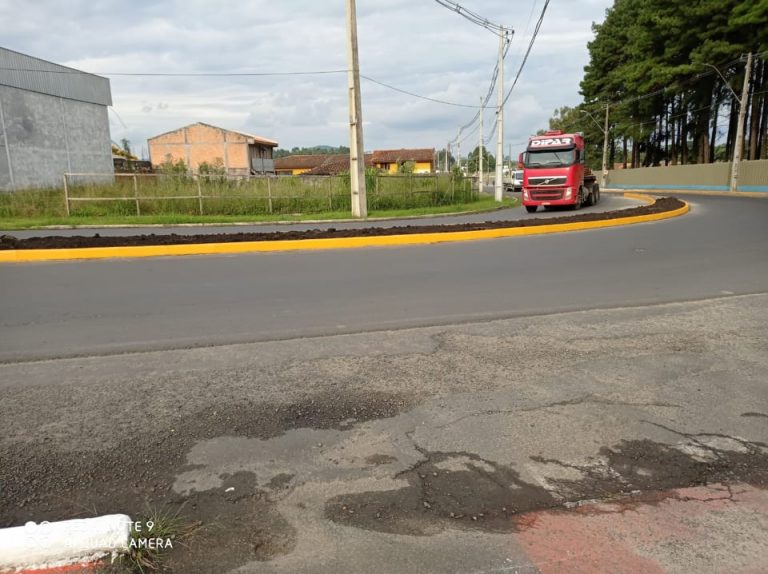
[
  {"x": 181, "y": 74},
  {"x": 665, "y": 89},
  {"x": 435, "y": 100},
  {"x": 471, "y": 16},
  {"x": 528, "y": 51},
  {"x": 245, "y": 74}
]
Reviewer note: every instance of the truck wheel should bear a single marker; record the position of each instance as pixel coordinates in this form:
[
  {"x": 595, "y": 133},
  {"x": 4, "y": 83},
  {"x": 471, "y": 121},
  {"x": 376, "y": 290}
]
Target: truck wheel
[
  {"x": 590, "y": 201},
  {"x": 579, "y": 200},
  {"x": 595, "y": 194},
  {"x": 531, "y": 208}
]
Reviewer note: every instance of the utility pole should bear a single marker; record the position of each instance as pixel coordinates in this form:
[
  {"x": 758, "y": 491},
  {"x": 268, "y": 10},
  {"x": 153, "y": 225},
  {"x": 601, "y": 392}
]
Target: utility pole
[
  {"x": 480, "y": 149},
  {"x": 458, "y": 149},
  {"x": 356, "y": 148},
  {"x": 740, "y": 131},
  {"x": 499, "y": 184},
  {"x": 604, "y": 179}
]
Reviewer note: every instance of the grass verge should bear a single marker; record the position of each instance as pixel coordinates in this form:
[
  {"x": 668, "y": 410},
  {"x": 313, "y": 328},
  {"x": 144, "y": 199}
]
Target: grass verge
[{"x": 19, "y": 223}]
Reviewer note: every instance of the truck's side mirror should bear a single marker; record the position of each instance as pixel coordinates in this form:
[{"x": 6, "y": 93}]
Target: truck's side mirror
[{"x": 520, "y": 160}]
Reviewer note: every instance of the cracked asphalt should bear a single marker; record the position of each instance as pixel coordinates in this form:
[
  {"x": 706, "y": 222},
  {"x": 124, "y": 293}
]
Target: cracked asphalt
[
  {"x": 427, "y": 449},
  {"x": 626, "y": 439}
]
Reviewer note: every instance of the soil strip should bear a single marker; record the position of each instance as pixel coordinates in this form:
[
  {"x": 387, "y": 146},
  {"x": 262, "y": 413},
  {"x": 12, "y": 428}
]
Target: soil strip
[{"x": 7, "y": 242}]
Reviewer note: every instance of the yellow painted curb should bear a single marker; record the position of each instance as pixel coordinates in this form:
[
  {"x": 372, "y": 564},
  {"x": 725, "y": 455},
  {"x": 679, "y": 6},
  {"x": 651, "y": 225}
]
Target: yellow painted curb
[
  {"x": 704, "y": 192},
  {"x": 31, "y": 255}
]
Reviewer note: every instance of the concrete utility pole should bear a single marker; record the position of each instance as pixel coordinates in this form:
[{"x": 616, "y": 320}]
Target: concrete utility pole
[
  {"x": 499, "y": 184},
  {"x": 480, "y": 149},
  {"x": 458, "y": 149},
  {"x": 737, "y": 150},
  {"x": 604, "y": 179},
  {"x": 356, "y": 148}
]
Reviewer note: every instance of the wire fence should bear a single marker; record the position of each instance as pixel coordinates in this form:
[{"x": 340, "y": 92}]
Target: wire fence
[{"x": 87, "y": 194}]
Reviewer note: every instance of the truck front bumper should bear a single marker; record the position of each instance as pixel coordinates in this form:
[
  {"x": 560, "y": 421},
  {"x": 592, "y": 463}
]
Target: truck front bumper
[{"x": 549, "y": 196}]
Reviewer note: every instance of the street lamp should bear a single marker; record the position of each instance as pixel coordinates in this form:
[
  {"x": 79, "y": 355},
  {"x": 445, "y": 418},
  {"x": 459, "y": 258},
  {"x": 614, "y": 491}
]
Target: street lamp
[
  {"x": 604, "y": 179},
  {"x": 594, "y": 120},
  {"x": 738, "y": 145},
  {"x": 735, "y": 95}
]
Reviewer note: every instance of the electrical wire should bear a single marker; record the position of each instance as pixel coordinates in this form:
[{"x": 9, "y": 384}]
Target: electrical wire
[
  {"x": 181, "y": 74},
  {"x": 527, "y": 52},
  {"x": 427, "y": 98},
  {"x": 471, "y": 16}
]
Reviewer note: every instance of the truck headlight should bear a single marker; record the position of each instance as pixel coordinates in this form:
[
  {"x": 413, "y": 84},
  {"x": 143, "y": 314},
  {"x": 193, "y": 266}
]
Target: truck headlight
[
  {"x": 525, "y": 193},
  {"x": 568, "y": 193}
]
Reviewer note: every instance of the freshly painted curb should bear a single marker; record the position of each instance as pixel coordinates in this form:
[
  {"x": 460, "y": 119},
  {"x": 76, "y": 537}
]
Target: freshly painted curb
[
  {"x": 55, "y": 546},
  {"x": 32, "y": 255},
  {"x": 666, "y": 192}
]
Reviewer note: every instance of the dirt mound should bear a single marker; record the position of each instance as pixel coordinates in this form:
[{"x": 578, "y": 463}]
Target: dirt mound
[{"x": 662, "y": 205}]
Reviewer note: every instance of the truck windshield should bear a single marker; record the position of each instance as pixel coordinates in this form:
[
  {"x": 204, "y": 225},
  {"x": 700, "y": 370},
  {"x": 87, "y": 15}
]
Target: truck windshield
[{"x": 551, "y": 158}]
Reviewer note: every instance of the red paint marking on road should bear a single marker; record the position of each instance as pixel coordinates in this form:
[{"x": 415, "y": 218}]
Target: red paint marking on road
[{"x": 720, "y": 528}]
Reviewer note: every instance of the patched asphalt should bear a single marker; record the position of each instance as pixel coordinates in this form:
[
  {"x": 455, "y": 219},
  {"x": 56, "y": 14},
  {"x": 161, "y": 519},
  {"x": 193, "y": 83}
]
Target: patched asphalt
[{"x": 439, "y": 449}]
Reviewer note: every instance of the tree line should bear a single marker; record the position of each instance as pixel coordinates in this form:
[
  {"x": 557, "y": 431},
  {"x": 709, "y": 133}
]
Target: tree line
[{"x": 671, "y": 73}]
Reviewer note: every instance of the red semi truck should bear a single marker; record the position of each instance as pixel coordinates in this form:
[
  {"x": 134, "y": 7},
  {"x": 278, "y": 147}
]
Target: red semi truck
[{"x": 555, "y": 172}]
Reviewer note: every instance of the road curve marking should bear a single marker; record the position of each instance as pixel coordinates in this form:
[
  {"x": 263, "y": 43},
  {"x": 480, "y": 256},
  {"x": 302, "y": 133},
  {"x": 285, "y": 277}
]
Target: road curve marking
[{"x": 137, "y": 251}]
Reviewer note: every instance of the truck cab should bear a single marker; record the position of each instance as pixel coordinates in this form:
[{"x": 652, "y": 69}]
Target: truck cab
[{"x": 555, "y": 172}]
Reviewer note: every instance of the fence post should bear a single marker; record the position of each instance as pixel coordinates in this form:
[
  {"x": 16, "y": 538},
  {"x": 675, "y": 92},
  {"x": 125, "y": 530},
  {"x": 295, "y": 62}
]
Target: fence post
[
  {"x": 330, "y": 193},
  {"x": 199, "y": 195},
  {"x": 66, "y": 196},
  {"x": 136, "y": 193},
  {"x": 269, "y": 194}
]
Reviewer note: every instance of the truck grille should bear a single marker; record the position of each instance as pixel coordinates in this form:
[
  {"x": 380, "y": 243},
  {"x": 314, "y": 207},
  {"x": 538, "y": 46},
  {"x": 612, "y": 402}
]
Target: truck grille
[
  {"x": 546, "y": 194},
  {"x": 542, "y": 181}
]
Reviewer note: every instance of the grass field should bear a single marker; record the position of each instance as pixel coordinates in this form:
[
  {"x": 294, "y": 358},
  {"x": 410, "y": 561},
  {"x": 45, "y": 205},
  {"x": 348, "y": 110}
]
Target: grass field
[
  {"x": 164, "y": 199},
  {"x": 17, "y": 223}
]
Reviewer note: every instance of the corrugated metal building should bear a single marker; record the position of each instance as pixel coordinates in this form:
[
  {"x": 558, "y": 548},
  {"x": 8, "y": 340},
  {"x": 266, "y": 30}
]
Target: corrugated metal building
[{"x": 53, "y": 120}]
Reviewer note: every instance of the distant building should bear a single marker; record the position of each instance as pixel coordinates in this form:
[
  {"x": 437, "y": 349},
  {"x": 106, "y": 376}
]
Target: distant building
[
  {"x": 53, "y": 120},
  {"x": 298, "y": 164},
  {"x": 238, "y": 153},
  {"x": 337, "y": 164},
  {"x": 391, "y": 160}
]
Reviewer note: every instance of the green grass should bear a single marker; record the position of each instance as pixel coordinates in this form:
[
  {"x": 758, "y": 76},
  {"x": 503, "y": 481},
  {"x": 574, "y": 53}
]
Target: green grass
[
  {"x": 33, "y": 222},
  {"x": 169, "y": 199},
  {"x": 144, "y": 560}
]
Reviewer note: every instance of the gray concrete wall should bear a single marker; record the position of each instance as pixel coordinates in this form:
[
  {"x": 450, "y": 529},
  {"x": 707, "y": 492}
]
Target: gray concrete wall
[{"x": 44, "y": 136}]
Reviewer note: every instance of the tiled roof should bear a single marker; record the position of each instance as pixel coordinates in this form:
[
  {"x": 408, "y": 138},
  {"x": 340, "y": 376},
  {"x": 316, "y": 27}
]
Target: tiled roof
[
  {"x": 300, "y": 161},
  {"x": 337, "y": 164},
  {"x": 403, "y": 155}
]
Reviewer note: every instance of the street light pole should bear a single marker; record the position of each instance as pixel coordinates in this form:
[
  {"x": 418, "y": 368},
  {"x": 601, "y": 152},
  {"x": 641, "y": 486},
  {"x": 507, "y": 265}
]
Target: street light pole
[
  {"x": 737, "y": 150},
  {"x": 480, "y": 149},
  {"x": 356, "y": 148},
  {"x": 604, "y": 179},
  {"x": 499, "y": 184},
  {"x": 458, "y": 149}
]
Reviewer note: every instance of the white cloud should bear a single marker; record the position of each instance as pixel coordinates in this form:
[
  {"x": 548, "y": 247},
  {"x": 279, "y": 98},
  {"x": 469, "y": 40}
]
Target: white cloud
[{"x": 415, "y": 45}]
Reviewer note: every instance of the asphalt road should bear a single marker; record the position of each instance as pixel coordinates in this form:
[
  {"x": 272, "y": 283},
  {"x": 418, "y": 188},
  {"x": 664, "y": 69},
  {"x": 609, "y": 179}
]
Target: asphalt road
[
  {"x": 608, "y": 202},
  {"x": 81, "y": 308},
  {"x": 472, "y": 444}
]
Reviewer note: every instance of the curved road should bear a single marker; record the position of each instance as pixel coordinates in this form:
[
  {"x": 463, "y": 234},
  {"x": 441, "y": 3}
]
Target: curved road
[
  {"x": 84, "y": 308},
  {"x": 608, "y": 202}
]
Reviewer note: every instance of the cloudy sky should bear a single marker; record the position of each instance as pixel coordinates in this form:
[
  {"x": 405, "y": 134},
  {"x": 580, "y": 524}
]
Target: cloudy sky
[{"x": 416, "y": 45}]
